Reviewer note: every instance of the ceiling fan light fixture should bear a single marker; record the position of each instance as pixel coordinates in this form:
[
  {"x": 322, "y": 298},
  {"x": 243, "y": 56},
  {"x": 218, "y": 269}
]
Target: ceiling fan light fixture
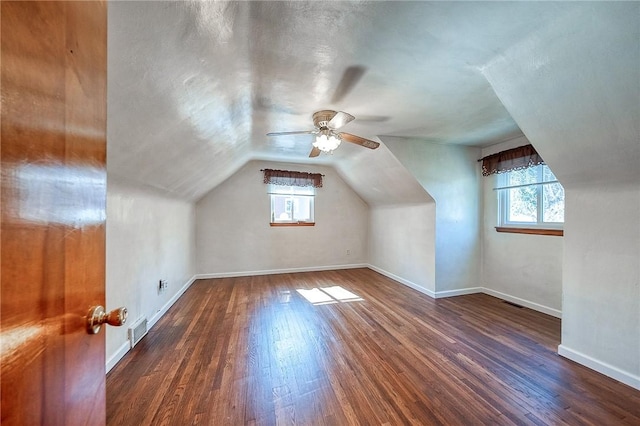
[{"x": 327, "y": 141}]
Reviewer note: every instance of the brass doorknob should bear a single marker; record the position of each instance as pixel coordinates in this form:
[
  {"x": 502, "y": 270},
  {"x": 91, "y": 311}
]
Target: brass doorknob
[{"x": 98, "y": 316}]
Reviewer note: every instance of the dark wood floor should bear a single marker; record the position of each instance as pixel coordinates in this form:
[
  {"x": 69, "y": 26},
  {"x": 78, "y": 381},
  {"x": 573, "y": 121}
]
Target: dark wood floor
[{"x": 252, "y": 350}]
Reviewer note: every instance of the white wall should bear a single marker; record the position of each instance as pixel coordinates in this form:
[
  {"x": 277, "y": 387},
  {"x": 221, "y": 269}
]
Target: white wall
[
  {"x": 234, "y": 235},
  {"x": 402, "y": 224},
  {"x": 527, "y": 268},
  {"x": 574, "y": 91},
  {"x": 450, "y": 175},
  {"x": 601, "y": 307},
  {"x": 402, "y": 244},
  {"x": 150, "y": 237}
]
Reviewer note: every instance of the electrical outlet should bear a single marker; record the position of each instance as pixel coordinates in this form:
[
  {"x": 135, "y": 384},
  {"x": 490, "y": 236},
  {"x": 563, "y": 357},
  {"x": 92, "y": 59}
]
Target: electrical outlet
[
  {"x": 348, "y": 252},
  {"x": 162, "y": 286}
]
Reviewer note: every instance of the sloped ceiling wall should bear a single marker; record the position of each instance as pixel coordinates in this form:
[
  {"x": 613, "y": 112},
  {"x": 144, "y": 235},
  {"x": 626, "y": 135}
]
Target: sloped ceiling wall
[
  {"x": 574, "y": 89},
  {"x": 381, "y": 179}
]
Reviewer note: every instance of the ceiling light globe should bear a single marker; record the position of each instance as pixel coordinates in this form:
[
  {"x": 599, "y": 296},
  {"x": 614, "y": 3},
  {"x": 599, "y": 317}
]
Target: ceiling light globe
[{"x": 326, "y": 141}]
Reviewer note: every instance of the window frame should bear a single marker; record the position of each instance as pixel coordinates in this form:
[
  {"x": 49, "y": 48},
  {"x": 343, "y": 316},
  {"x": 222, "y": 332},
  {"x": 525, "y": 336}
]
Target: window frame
[
  {"x": 540, "y": 226},
  {"x": 293, "y": 192}
]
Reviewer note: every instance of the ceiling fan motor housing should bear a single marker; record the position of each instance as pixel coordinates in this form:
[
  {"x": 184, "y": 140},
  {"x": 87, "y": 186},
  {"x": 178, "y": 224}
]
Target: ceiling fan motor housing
[{"x": 321, "y": 118}]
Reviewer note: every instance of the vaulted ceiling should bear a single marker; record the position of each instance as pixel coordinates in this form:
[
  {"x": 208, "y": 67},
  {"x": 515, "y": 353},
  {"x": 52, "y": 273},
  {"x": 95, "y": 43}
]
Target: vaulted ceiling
[{"x": 193, "y": 87}]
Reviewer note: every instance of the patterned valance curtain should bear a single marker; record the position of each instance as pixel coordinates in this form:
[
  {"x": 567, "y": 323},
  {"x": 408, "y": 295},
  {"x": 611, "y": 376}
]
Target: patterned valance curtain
[
  {"x": 511, "y": 159},
  {"x": 289, "y": 178}
]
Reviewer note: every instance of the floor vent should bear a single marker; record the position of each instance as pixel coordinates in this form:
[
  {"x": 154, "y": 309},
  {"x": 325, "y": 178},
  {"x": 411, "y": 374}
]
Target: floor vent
[
  {"x": 137, "y": 331},
  {"x": 513, "y": 304}
]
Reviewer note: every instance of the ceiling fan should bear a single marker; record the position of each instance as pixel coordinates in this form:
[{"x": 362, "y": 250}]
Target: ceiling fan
[{"x": 327, "y": 138}]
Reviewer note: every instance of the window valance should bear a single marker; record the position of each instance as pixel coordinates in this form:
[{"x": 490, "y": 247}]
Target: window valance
[
  {"x": 291, "y": 178},
  {"x": 511, "y": 159}
]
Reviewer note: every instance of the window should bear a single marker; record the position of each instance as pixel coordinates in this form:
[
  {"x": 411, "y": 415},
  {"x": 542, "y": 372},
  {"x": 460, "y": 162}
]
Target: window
[
  {"x": 291, "y": 204},
  {"x": 530, "y": 198},
  {"x": 292, "y": 194}
]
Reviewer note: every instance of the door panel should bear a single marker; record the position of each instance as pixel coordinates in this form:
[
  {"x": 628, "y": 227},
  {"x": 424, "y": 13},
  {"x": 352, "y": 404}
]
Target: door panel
[{"x": 53, "y": 196}]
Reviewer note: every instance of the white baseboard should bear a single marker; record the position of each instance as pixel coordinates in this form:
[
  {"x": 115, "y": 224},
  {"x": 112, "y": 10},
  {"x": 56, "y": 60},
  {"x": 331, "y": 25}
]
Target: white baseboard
[
  {"x": 458, "y": 292},
  {"x": 124, "y": 348},
  {"x": 470, "y": 290},
  {"x": 154, "y": 319},
  {"x": 531, "y": 305},
  {"x": 279, "y": 271},
  {"x": 599, "y": 366},
  {"x": 403, "y": 281},
  {"x": 117, "y": 356}
]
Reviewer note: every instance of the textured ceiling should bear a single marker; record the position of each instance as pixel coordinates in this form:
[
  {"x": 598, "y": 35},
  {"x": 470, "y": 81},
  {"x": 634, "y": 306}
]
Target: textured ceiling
[{"x": 194, "y": 86}]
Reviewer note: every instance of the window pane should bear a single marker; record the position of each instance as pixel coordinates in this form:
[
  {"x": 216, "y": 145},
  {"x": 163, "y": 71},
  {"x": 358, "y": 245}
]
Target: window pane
[
  {"x": 281, "y": 207},
  {"x": 291, "y": 208},
  {"x": 553, "y": 202},
  {"x": 521, "y": 177},
  {"x": 302, "y": 209},
  {"x": 536, "y": 205},
  {"x": 547, "y": 174},
  {"x": 523, "y": 205}
]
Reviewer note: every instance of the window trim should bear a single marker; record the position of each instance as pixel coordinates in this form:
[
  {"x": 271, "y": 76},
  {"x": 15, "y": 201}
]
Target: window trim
[
  {"x": 306, "y": 192},
  {"x": 538, "y": 228}
]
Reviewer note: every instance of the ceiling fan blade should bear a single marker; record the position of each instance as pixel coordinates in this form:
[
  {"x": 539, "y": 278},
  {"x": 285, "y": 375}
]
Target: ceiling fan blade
[
  {"x": 350, "y": 78},
  {"x": 301, "y": 132},
  {"x": 314, "y": 152},
  {"x": 359, "y": 141},
  {"x": 340, "y": 119}
]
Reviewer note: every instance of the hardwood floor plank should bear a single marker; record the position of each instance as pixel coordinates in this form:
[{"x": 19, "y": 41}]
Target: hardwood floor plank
[{"x": 255, "y": 351}]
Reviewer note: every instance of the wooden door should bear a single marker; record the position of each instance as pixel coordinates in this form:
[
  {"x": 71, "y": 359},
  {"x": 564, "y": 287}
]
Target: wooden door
[{"x": 53, "y": 131}]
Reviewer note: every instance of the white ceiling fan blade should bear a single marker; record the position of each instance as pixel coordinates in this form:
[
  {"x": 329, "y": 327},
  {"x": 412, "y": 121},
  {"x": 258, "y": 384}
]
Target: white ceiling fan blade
[{"x": 340, "y": 119}]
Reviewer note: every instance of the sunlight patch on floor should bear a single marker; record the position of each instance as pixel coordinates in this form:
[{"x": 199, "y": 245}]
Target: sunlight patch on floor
[{"x": 329, "y": 295}]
